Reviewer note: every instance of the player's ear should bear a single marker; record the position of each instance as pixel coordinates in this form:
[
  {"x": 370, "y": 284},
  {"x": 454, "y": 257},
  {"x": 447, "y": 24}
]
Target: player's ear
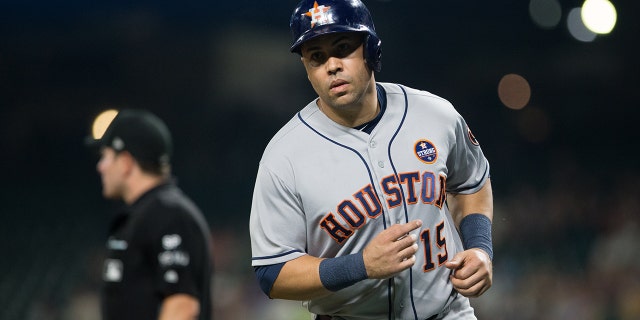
[{"x": 127, "y": 160}]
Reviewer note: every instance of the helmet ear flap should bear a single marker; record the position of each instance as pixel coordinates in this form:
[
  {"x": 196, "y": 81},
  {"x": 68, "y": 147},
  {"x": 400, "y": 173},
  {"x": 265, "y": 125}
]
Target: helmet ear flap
[{"x": 373, "y": 52}]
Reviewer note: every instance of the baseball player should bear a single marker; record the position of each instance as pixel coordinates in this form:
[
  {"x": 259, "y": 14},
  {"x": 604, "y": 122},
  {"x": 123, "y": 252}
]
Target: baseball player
[
  {"x": 374, "y": 200},
  {"x": 158, "y": 263}
]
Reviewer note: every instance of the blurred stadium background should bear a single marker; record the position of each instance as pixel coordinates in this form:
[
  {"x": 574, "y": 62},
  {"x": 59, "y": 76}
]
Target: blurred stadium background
[{"x": 555, "y": 107}]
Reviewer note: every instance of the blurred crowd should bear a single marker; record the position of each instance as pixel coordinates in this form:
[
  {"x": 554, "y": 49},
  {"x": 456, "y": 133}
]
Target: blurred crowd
[{"x": 571, "y": 251}]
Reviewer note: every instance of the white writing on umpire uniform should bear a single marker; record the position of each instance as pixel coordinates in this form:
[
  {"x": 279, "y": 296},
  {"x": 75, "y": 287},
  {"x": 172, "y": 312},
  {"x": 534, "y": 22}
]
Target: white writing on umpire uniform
[
  {"x": 171, "y": 256},
  {"x": 171, "y": 276},
  {"x": 116, "y": 244},
  {"x": 112, "y": 270},
  {"x": 171, "y": 241}
]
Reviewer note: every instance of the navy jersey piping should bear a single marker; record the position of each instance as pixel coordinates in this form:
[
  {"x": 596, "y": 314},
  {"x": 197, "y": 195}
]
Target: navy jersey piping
[
  {"x": 404, "y": 202},
  {"x": 389, "y": 281},
  {"x": 352, "y": 150},
  {"x": 477, "y": 184},
  {"x": 384, "y": 218},
  {"x": 275, "y": 255}
]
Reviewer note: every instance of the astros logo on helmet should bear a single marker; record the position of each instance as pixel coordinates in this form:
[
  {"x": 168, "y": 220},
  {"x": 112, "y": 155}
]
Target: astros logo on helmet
[{"x": 313, "y": 18}]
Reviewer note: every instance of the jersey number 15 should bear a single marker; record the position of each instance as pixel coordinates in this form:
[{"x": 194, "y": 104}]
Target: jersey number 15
[{"x": 440, "y": 247}]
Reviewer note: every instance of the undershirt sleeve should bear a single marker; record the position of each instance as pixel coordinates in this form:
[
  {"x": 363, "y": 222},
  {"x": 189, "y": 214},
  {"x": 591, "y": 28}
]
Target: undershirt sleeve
[{"x": 267, "y": 276}]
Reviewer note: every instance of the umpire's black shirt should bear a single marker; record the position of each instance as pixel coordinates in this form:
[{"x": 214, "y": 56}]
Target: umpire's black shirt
[{"x": 158, "y": 247}]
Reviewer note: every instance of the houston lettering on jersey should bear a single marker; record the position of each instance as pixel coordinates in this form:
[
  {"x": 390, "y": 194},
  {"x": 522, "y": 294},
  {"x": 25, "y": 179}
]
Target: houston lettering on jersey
[{"x": 351, "y": 214}]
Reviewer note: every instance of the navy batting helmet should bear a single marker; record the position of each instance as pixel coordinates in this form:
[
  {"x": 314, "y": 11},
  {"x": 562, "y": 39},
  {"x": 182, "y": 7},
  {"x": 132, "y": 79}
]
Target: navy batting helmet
[{"x": 313, "y": 18}]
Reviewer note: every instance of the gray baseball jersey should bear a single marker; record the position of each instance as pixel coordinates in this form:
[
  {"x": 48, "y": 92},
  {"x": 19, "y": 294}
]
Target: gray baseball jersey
[{"x": 326, "y": 190}]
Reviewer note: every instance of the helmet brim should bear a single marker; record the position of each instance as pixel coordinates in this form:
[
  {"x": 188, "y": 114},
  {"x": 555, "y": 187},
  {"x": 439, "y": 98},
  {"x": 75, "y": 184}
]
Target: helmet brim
[{"x": 324, "y": 30}]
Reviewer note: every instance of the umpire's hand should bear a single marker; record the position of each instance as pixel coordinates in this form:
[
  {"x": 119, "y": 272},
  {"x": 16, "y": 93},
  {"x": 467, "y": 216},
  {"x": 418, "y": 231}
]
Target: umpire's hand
[{"x": 472, "y": 272}]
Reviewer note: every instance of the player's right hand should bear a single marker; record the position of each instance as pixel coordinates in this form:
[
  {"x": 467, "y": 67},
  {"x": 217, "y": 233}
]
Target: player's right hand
[{"x": 391, "y": 251}]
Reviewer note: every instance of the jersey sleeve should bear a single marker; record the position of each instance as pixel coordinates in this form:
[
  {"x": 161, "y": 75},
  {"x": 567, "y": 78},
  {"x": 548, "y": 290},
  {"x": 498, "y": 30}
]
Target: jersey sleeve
[
  {"x": 179, "y": 252},
  {"x": 277, "y": 223},
  {"x": 468, "y": 167}
]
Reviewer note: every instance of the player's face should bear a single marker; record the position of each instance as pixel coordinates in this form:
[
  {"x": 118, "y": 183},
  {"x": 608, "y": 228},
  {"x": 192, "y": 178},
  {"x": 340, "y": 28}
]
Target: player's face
[
  {"x": 337, "y": 70},
  {"x": 111, "y": 169}
]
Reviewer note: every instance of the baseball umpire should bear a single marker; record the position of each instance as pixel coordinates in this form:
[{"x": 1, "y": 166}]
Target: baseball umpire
[
  {"x": 374, "y": 201},
  {"x": 158, "y": 263}
]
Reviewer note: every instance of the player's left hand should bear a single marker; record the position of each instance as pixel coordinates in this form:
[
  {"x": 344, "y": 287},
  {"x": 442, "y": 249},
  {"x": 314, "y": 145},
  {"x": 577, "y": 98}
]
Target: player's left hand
[{"x": 472, "y": 272}]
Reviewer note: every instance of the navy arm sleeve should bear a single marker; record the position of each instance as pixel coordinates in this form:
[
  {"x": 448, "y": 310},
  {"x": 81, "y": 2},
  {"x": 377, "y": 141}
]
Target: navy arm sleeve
[{"x": 267, "y": 276}]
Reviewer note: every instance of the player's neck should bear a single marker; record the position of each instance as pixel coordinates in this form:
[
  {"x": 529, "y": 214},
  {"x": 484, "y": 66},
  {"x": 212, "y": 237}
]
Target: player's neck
[
  {"x": 351, "y": 118},
  {"x": 355, "y": 115}
]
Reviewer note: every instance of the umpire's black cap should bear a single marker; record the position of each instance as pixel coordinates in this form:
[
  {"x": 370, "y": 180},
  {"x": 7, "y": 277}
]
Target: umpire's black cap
[{"x": 139, "y": 132}]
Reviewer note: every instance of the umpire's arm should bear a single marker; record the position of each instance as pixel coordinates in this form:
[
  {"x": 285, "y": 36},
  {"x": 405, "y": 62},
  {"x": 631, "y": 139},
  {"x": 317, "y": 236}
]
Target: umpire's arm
[{"x": 179, "y": 306}]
